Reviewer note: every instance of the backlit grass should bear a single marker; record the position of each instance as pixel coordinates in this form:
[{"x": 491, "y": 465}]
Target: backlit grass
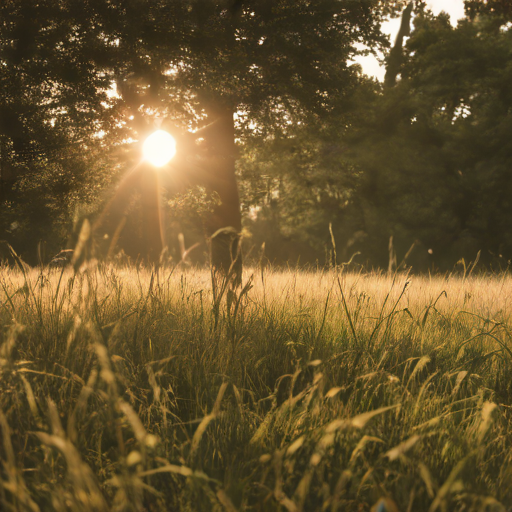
[{"x": 130, "y": 390}]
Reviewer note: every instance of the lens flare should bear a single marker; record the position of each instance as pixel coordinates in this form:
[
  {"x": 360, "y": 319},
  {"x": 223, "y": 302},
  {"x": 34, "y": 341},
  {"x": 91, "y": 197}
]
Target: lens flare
[{"x": 159, "y": 148}]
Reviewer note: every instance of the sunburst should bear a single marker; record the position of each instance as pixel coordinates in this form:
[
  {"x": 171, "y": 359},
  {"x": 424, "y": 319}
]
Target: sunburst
[{"x": 159, "y": 148}]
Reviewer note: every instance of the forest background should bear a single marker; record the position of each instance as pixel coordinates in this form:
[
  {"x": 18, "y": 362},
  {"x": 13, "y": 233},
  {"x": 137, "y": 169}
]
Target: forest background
[{"x": 326, "y": 153}]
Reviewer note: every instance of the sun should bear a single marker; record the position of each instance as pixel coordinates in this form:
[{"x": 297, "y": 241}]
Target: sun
[{"x": 159, "y": 148}]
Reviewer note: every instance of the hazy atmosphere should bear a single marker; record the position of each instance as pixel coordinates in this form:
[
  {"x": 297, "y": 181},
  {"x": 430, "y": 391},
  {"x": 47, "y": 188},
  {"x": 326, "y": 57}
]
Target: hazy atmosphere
[
  {"x": 255, "y": 255},
  {"x": 279, "y": 133}
]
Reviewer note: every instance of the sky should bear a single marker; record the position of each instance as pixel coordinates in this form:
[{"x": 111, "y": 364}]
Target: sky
[{"x": 455, "y": 8}]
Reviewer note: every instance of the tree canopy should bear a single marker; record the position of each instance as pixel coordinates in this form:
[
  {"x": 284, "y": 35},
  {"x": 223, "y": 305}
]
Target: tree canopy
[
  {"x": 425, "y": 159},
  {"x": 179, "y": 58},
  {"x": 439, "y": 168},
  {"x": 81, "y": 76}
]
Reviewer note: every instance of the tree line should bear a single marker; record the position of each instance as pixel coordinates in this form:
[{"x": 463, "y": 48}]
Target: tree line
[{"x": 326, "y": 157}]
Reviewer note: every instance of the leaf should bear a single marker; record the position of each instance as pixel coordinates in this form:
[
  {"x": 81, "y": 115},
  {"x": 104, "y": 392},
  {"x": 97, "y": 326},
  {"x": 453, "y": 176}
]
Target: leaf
[
  {"x": 361, "y": 445},
  {"x": 417, "y": 369},
  {"x": 198, "y": 434},
  {"x": 83, "y": 238},
  {"x": 358, "y": 421},
  {"x": 403, "y": 447},
  {"x": 226, "y": 501},
  {"x": 31, "y": 402},
  {"x": 263, "y": 428},
  {"x": 295, "y": 446},
  {"x": 133, "y": 418},
  {"x": 458, "y": 381},
  {"x": 333, "y": 392},
  {"x": 361, "y": 420},
  {"x": 451, "y": 484},
  {"x": 427, "y": 478},
  {"x": 487, "y": 410},
  {"x": 169, "y": 468}
]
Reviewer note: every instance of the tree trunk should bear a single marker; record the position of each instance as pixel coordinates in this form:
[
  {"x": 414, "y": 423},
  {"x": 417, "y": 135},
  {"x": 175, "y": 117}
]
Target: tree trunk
[
  {"x": 153, "y": 236},
  {"x": 394, "y": 60},
  {"x": 214, "y": 169},
  {"x": 224, "y": 225}
]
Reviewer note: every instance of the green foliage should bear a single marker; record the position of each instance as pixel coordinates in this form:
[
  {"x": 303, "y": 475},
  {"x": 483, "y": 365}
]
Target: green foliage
[
  {"x": 465, "y": 106},
  {"x": 178, "y": 62},
  {"x": 435, "y": 156},
  {"x": 425, "y": 161},
  {"x": 297, "y": 183},
  {"x": 500, "y": 10},
  {"x": 193, "y": 204}
]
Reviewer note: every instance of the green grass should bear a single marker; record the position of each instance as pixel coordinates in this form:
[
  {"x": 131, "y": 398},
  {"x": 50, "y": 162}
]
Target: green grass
[{"x": 127, "y": 390}]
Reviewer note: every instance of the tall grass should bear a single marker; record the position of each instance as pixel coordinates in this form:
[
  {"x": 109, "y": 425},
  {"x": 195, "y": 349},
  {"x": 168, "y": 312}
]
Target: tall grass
[{"x": 126, "y": 389}]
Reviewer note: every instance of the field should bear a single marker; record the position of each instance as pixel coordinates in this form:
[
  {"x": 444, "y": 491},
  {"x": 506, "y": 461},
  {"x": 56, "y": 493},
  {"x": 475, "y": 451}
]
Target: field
[{"x": 123, "y": 389}]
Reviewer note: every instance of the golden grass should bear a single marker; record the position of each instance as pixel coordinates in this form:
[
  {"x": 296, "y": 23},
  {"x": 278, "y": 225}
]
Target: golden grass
[{"x": 128, "y": 389}]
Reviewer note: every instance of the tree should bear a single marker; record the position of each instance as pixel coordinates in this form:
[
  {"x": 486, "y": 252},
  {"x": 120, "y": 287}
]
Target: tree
[
  {"x": 189, "y": 62},
  {"x": 297, "y": 184},
  {"x": 53, "y": 103},
  {"x": 439, "y": 166},
  {"x": 499, "y": 10}
]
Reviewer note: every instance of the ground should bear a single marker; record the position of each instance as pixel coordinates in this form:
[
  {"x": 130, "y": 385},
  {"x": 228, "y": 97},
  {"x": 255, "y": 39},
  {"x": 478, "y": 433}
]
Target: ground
[{"x": 128, "y": 389}]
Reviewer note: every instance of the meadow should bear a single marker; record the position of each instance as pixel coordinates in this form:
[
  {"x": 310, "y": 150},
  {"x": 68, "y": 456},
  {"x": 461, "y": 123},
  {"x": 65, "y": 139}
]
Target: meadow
[{"x": 127, "y": 389}]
